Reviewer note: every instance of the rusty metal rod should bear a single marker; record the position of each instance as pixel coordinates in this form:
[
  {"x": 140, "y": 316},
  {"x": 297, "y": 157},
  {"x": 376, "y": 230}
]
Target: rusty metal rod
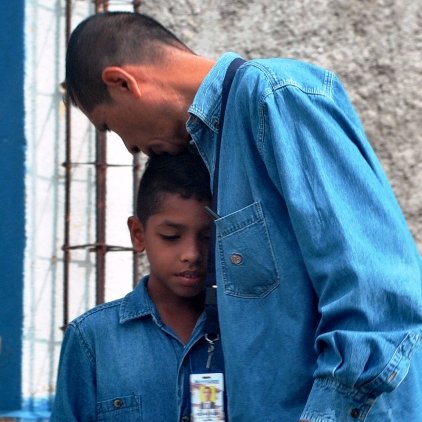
[
  {"x": 101, "y": 195},
  {"x": 136, "y": 176},
  {"x": 100, "y": 214},
  {"x": 67, "y": 183}
]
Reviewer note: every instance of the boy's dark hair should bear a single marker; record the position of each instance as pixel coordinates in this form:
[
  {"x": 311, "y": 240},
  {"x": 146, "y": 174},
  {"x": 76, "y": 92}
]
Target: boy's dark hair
[
  {"x": 184, "y": 174},
  {"x": 111, "y": 39}
]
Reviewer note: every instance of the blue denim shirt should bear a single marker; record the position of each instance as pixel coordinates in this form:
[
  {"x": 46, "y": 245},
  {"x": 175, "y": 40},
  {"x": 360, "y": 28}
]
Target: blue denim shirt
[
  {"x": 319, "y": 279},
  {"x": 120, "y": 362}
]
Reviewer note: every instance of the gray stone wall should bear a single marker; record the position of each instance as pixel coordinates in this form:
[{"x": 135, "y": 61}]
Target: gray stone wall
[{"x": 374, "y": 46}]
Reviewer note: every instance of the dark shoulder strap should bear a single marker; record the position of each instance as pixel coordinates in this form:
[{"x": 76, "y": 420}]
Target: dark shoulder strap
[
  {"x": 227, "y": 83},
  {"x": 211, "y": 291}
]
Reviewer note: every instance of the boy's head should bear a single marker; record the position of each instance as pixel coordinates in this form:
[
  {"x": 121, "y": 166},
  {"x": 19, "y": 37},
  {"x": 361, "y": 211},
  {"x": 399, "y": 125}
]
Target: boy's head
[
  {"x": 172, "y": 226},
  {"x": 184, "y": 174}
]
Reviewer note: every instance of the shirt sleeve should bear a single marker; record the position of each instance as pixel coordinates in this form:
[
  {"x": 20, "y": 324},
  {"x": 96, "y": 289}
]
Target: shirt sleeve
[
  {"x": 356, "y": 246},
  {"x": 75, "y": 398}
]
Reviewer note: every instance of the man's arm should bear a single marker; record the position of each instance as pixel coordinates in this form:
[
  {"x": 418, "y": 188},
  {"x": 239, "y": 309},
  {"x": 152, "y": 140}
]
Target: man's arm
[{"x": 355, "y": 243}]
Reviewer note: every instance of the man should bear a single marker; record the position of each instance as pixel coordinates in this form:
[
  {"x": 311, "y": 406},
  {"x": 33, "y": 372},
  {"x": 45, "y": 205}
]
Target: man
[
  {"x": 207, "y": 403},
  {"x": 319, "y": 280}
]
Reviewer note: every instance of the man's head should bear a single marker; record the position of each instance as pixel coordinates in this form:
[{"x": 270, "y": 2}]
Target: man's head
[
  {"x": 172, "y": 226},
  {"x": 132, "y": 76},
  {"x": 206, "y": 391},
  {"x": 111, "y": 39}
]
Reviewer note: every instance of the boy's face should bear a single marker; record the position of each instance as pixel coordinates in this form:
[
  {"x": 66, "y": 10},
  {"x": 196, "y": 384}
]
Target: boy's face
[{"x": 176, "y": 241}]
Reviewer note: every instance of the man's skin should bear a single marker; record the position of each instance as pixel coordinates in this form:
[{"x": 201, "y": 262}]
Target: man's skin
[{"x": 148, "y": 114}]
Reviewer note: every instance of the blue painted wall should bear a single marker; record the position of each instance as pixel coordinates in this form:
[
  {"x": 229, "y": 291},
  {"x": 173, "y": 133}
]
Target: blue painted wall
[{"x": 12, "y": 202}]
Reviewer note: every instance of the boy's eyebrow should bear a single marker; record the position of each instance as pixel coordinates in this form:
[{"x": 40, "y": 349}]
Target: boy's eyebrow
[
  {"x": 167, "y": 223},
  {"x": 172, "y": 224}
]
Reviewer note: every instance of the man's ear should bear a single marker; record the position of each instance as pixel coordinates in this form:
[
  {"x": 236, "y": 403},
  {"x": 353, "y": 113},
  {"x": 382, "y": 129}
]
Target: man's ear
[
  {"x": 123, "y": 80},
  {"x": 137, "y": 233}
]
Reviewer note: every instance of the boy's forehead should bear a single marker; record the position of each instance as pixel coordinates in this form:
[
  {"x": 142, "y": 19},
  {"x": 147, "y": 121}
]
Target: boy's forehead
[
  {"x": 173, "y": 199},
  {"x": 173, "y": 207}
]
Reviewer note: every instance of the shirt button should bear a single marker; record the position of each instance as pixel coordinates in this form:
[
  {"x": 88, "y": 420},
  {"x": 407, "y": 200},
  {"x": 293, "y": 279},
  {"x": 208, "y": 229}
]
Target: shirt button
[
  {"x": 236, "y": 259},
  {"x": 355, "y": 413},
  {"x": 185, "y": 419},
  {"x": 118, "y": 403}
]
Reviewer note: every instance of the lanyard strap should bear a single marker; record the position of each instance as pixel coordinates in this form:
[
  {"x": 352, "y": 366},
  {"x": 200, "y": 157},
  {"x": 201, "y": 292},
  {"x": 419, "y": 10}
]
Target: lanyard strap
[{"x": 211, "y": 291}]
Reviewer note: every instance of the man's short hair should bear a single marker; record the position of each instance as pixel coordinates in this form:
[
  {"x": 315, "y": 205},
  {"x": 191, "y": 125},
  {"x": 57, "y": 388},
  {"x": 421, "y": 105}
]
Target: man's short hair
[
  {"x": 111, "y": 39},
  {"x": 184, "y": 174}
]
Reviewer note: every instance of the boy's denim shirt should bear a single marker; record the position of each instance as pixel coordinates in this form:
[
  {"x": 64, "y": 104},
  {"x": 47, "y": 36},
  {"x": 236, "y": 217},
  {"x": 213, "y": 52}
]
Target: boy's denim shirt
[
  {"x": 120, "y": 362},
  {"x": 319, "y": 278}
]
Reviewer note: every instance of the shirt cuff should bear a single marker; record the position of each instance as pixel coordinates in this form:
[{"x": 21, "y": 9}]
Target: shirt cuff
[{"x": 330, "y": 401}]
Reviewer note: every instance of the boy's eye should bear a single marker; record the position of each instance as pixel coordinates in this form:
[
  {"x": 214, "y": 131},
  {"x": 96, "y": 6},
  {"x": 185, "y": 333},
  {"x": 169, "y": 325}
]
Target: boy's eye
[{"x": 169, "y": 237}]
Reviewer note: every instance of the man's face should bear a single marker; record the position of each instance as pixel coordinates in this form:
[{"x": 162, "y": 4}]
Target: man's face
[
  {"x": 152, "y": 127},
  {"x": 207, "y": 394}
]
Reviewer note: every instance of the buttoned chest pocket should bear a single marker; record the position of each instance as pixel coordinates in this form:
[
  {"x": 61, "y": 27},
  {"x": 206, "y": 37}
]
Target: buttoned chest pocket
[
  {"x": 120, "y": 409},
  {"x": 247, "y": 257}
]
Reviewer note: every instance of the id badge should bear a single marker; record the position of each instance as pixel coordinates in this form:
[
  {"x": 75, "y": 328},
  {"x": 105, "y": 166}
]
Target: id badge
[{"x": 207, "y": 397}]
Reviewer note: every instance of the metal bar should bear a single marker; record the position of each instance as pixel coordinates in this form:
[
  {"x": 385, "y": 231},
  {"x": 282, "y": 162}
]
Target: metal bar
[
  {"x": 67, "y": 183},
  {"x": 100, "y": 212},
  {"x": 101, "y": 195},
  {"x": 136, "y": 262},
  {"x": 136, "y": 5},
  {"x": 92, "y": 247},
  {"x": 136, "y": 176}
]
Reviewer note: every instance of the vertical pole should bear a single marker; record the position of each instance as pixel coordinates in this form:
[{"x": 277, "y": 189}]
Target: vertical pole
[
  {"x": 136, "y": 166},
  {"x": 67, "y": 183},
  {"x": 101, "y": 195},
  {"x": 136, "y": 178},
  {"x": 136, "y": 5},
  {"x": 101, "y": 192}
]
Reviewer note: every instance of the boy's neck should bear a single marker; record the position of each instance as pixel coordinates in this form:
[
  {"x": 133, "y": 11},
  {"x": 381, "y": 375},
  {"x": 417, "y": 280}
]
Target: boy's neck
[{"x": 181, "y": 315}]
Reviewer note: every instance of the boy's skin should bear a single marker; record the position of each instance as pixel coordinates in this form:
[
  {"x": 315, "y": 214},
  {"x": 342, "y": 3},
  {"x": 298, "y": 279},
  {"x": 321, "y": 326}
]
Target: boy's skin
[{"x": 176, "y": 241}]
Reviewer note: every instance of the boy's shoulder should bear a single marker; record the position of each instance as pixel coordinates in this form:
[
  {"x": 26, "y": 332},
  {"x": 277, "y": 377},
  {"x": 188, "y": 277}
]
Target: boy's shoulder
[
  {"x": 135, "y": 304},
  {"x": 103, "y": 313}
]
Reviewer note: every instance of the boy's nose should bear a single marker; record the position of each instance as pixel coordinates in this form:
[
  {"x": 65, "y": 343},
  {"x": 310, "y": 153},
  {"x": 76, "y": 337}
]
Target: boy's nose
[{"x": 192, "y": 252}]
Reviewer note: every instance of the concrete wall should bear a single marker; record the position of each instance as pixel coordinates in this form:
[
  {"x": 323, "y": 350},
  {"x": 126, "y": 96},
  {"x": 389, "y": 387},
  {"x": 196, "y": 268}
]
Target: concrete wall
[{"x": 375, "y": 46}]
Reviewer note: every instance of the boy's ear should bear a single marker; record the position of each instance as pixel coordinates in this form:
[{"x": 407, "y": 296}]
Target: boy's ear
[
  {"x": 120, "y": 79},
  {"x": 137, "y": 233}
]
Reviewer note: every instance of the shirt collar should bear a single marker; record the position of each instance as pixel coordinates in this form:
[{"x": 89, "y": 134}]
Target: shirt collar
[
  {"x": 205, "y": 109},
  {"x": 207, "y": 101},
  {"x": 137, "y": 303}
]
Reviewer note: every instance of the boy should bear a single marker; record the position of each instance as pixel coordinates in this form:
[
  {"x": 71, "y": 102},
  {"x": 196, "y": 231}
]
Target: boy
[{"x": 131, "y": 358}]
